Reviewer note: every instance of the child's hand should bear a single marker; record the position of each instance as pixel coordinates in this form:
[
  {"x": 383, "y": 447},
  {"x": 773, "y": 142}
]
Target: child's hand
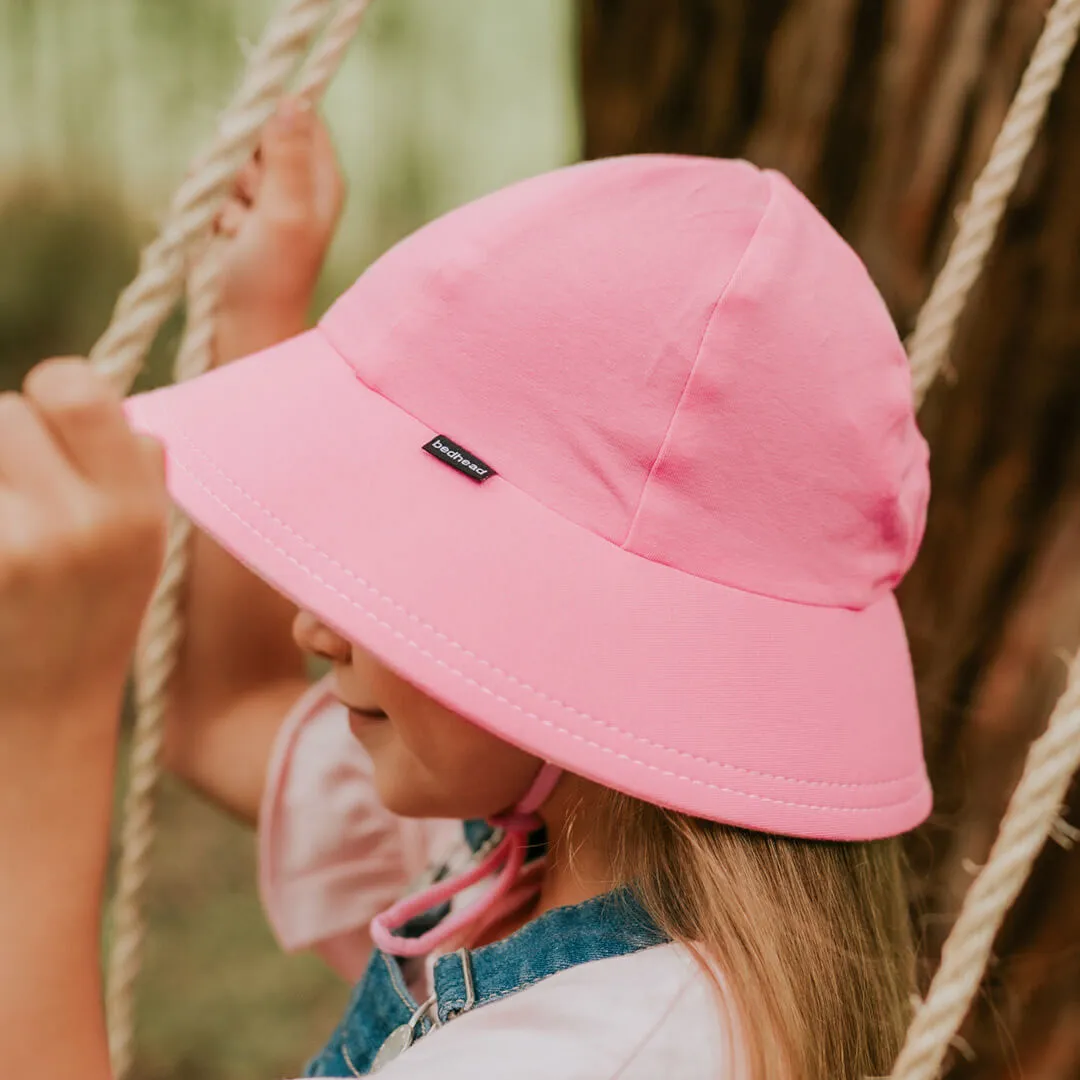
[
  {"x": 82, "y": 524},
  {"x": 275, "y": 230}
]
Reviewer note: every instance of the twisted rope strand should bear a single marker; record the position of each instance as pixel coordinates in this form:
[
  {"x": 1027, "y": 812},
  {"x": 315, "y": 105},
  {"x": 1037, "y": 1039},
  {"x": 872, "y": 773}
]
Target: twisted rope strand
[
  {"x": 160, "y": 643},
  {"x": 160, "y": 640},
  {"x": 325, "y": 58},
  {"x": 137, "y": 318},
  {"x": 1029, "y": 820},
  {"x": 932, "y": 337},
  {"x": 145, "y": 303}
]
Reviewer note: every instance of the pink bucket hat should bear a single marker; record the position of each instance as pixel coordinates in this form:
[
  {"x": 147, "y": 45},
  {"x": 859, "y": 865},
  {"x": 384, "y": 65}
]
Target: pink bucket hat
[{"x": 621, "y": 463}]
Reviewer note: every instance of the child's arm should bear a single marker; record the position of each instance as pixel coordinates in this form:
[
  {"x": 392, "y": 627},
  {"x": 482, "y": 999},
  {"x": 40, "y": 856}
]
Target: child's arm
[
  {"x": 240, "y": 670},
  {"x": 82, "y": 515}
]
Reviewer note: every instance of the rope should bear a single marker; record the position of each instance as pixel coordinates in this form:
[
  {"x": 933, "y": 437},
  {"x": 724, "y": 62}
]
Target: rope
[
  {"x": 1029, "y": 820},
  {"x": 158, "y": 650},
  {"x": 326, "y": 57},
  {"x": 136, "y": 320},
  {"x": 1053, "y": 757},
  {"x": 930, "y": 341}
]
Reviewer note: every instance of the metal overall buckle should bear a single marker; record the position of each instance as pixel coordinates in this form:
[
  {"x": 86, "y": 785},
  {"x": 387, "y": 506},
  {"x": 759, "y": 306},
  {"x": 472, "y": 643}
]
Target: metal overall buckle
[
  {"x": 400, "y": 1039},
  {"x": 404, "y": 1035}
]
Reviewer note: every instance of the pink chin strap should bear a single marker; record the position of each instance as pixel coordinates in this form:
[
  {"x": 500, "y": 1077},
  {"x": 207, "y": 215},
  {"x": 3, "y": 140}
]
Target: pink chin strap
[{"x": 509, "y": 854}]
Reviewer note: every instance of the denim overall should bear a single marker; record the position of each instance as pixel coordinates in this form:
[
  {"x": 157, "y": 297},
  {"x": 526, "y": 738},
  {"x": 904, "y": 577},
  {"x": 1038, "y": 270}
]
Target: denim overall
[{"x": 383, "y": 1018}]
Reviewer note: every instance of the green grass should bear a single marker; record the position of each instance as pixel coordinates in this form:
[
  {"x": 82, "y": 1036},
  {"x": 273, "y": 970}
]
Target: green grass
[{"x": 218, "y": 999}]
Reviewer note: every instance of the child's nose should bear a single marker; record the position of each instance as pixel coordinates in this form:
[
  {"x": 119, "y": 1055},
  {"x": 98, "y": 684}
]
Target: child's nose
[{"x": 314, "y": 636}]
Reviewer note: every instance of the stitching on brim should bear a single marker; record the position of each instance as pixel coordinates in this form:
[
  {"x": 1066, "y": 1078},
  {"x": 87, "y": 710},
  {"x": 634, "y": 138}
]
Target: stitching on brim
[{"x": 519, "y": 683}]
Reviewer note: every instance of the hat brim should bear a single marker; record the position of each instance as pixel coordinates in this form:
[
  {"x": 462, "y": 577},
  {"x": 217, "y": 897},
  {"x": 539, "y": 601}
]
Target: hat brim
[{"x": 710, "y": 700}]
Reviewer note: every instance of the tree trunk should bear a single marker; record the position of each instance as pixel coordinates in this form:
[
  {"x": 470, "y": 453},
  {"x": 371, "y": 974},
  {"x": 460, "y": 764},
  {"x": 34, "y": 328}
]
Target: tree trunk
[{"x": 883, "y": 111}]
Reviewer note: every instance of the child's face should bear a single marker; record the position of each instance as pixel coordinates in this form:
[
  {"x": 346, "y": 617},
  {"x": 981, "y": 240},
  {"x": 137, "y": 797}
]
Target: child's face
[{"x": 429, "y": 761}]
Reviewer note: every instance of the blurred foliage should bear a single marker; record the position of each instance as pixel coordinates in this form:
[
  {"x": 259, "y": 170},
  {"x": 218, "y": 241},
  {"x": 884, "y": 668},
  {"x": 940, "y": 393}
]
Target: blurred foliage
[
  {"x": 102, "y": 105},
  {"x": 437, "y": 102},
  {"x": 64, "y": 257},
  {"x": 72, "y": 258}
]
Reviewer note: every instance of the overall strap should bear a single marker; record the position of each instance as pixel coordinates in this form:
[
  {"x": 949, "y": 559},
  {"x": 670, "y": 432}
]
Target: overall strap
[
  {"x": 607, "y": 926},
  {"x": 384, "y": 1018}
]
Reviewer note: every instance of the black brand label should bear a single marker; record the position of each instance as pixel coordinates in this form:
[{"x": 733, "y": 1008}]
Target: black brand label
[{"x": 457, "y": 457}]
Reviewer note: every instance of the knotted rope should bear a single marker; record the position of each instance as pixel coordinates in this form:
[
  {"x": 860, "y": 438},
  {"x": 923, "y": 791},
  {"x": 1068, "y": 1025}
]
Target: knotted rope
[
  {"x": 141, "y": 309},
  {"x": 143, "y": 306}
]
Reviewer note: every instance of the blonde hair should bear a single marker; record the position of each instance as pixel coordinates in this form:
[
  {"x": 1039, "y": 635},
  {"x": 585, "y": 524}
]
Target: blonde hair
[{"x": 812, "y": 938}]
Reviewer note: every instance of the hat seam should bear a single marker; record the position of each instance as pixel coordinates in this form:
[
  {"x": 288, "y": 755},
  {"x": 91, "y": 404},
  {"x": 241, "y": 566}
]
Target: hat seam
[
  {"x": 327, "y": 340},
  {"x": 717, "y": 304},
  {"x": 521, "y": 684}
]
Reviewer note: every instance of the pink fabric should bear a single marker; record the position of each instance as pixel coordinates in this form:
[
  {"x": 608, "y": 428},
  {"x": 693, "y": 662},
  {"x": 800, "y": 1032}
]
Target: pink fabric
[
  {"x": 330, "y": 854},
  {"x": 708, "y": 480},
  {"x": 539, "y": 792},
  {"x": 506, "y": 859}
]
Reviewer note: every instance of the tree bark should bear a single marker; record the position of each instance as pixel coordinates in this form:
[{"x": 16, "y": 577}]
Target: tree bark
[{"x": 883, "y": 111}]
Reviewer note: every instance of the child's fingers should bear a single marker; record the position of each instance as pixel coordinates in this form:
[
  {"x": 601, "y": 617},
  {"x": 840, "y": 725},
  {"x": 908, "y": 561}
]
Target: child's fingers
[
  {"x": 230, "y": 217},
  {"x": 30, "y": 459},
  {"x": 287, "y": 185},
  {"x": 86, "y": 420},
  {"x": 246, "y": 185}
]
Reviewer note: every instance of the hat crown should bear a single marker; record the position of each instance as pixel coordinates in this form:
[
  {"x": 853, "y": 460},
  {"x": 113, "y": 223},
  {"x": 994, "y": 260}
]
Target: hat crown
[{"x": 678, "y": 354}]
